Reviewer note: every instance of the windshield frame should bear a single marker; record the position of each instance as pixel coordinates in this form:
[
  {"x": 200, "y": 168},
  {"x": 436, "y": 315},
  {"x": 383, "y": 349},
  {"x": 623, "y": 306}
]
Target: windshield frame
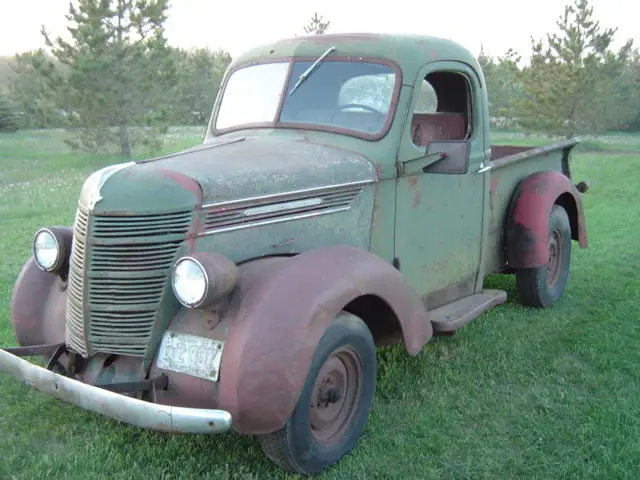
[{"x": 277, "y": 124}]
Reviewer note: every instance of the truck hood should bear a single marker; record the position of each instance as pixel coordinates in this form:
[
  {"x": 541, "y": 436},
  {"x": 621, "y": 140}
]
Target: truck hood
[{"x": 231, "y": 169}]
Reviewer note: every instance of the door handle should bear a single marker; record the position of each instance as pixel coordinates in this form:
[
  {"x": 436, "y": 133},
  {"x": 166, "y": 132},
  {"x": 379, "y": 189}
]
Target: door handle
[{"x": 484, "y": 168}]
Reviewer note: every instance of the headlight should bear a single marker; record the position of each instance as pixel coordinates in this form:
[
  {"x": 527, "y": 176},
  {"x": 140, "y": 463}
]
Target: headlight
[
  {"x": 46, "y": 249},
  {"x": 203, "y": 279},
  {"x": 189, "y": 282},
  {"x": 51, "y": 248}
]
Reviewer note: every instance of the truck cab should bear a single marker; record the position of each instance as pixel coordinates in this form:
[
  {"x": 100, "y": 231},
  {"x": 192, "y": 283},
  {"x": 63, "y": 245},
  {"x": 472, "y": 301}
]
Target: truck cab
[{"x": 346, "y": 195}]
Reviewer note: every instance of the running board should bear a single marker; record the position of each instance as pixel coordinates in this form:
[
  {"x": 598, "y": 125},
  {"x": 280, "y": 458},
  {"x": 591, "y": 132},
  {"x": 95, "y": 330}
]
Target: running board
[{"x": 457, "y": 314}]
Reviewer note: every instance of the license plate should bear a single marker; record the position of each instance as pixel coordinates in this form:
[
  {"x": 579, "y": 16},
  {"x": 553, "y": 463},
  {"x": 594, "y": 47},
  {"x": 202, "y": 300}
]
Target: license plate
[{"x": 190, "y": 354}]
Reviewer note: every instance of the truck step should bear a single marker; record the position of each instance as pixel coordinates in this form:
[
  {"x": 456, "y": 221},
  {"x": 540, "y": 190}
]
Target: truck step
[{"x": 457, "y": 314}]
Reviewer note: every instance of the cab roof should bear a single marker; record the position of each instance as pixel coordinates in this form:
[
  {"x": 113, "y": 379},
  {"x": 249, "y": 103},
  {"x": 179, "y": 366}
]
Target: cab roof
[{"x": 409, "y": 52}]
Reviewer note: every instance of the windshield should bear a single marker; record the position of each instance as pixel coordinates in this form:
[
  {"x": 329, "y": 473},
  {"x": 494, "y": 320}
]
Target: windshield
[{"x": 354, "y": 96}]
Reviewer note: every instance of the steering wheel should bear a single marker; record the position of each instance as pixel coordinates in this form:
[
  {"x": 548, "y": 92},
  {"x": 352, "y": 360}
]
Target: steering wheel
[{"x": 357, "y": 105}]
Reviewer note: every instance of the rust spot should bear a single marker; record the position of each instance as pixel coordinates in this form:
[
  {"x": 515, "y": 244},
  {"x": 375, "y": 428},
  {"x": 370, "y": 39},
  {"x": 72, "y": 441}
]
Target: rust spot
[
  {"x": 492, "y": 192},
  {"x": 416, "y": 199},
  {"x": 212, "y": 319},
  {"x": 196, "y": 228},
  {"x": 184, "y": 181},
  {"x": 413, "y": 181},
  {"x": 494, "y": 184},
  {"x": 528, "y": 221}
]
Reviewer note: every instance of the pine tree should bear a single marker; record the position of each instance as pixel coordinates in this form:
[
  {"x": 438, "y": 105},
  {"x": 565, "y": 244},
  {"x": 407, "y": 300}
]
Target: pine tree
[
  {"x": 567, "y": 87},
  {"x": 316, "y": 26},
  {"x": 117, "y": 73},
  {"x": 8, "y": 116},
  {"x": 503, "y": 79},
  {"x": 201, "y": 73},
  {"x": 33, "y": 86}
]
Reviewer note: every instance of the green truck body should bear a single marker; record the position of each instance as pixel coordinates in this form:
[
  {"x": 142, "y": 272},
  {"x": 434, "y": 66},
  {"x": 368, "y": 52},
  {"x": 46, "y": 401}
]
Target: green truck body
[{"x": 346, "y": 195}]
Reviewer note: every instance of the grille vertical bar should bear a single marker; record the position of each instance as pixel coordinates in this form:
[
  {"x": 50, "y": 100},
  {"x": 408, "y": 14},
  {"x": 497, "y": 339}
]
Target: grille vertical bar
[{"x": 75, "y": 325}]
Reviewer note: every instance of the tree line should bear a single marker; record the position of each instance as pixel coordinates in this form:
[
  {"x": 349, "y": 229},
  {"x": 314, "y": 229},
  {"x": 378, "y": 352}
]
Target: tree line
[
  {"x": 574, "y": 82},
  {"x": 117, "y": 84}
]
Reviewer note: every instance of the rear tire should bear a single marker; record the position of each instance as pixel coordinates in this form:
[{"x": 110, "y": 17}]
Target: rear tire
[
  {"x": 542, "y": 286},
  {"x": 334, "y": 404}
]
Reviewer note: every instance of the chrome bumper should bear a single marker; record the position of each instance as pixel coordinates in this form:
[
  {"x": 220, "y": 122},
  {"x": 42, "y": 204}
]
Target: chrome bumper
[{"x": 154, "y": 416}]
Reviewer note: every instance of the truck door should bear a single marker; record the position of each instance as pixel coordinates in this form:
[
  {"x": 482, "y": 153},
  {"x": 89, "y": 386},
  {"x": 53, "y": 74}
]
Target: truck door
[{"x": 440, "y": 191}]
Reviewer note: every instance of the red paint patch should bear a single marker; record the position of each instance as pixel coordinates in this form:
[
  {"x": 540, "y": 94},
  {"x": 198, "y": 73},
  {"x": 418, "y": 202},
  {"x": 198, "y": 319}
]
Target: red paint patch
[
  {"x": 184, "y": 181},
  {"x": 528, "y": 231}
]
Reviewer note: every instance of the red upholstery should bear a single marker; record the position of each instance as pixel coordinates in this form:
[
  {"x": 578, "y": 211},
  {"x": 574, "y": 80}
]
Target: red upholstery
[{"x": 429, "y": 127}]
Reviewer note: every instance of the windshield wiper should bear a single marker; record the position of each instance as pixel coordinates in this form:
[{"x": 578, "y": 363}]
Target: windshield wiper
[{"x": 304, "y": 75}]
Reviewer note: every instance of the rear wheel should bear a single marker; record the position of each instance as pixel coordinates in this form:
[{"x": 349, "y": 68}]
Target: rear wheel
[
  {"x": 334, "y": 405},
  {"x": 542, "y": 286}
]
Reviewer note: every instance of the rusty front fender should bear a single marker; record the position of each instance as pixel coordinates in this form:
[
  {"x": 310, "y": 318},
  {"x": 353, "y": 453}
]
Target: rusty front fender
[
  {"x": 38, "y": 306},
  {"x": 275, "y": 319},
  {"x": 527, "y": 223}
]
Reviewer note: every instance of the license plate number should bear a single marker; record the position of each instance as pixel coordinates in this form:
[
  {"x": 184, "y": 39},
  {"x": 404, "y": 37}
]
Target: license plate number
[{"x": 196, "y": 356}]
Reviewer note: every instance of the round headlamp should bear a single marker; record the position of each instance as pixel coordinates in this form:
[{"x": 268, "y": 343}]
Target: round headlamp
[
  {"x": 189, "y": 282},
  {"x": 203, "y": 279},
  {"x": 51, "y": 248}
]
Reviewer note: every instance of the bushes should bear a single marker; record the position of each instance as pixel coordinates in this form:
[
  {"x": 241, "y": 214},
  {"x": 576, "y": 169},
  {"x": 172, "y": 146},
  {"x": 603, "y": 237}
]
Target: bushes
[{"x": 8, "y": 117}]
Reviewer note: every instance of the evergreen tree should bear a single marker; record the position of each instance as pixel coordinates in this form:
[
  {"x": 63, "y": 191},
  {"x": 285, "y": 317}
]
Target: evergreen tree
[
  {"x": 567, "y": 87},
  {"x": 8, "y": 116},
  {"x": 33, "y": 85},
  {"x": 503, "y": 78},
  {"x": 118, "y": 73},
  {"x": 316, "y": 25},
  {"x": 200, "y": 74}
]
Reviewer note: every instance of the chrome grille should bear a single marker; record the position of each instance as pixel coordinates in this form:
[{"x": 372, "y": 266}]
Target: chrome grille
[
  {"x": 149, "y": 256},
  {"x": 125, "y": 268},
  {"x": 258, "y": 211},
  {"x": 75, "y": 331},
  {"x": 141, "y": 225}
]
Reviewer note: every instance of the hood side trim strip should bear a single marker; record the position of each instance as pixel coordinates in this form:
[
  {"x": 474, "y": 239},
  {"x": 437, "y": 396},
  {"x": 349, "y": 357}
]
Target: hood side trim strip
[{"x": 286, "y": 195}]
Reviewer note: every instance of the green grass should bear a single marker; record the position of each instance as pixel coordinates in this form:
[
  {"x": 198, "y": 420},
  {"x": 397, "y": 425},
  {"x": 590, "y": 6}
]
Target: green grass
[{"x": 519, "y": 393}]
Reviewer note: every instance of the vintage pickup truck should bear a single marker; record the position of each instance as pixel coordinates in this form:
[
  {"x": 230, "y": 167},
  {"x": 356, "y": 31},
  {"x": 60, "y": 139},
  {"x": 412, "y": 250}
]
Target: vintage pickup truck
[{"x": 346, "y": 195}]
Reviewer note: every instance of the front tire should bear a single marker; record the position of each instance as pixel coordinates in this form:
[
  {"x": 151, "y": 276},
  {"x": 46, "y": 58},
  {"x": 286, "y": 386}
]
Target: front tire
[
  {"x": 543, "y": 286},
  {"x": 334, "y": 404}
]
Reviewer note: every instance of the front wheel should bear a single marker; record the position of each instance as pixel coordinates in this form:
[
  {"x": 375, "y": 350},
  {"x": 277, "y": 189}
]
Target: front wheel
[
  {"x": 334, "y": 404},
  {"x": 542, "y": 286}
]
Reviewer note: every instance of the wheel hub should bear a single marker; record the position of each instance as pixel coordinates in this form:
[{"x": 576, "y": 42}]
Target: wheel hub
[
  {"x": 335, "y": 395},
  {"x": 554, "y": 262}
]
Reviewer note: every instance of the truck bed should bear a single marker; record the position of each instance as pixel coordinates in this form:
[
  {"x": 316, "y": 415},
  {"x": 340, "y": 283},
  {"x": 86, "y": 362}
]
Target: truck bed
[{"x": 509, "y": 166}]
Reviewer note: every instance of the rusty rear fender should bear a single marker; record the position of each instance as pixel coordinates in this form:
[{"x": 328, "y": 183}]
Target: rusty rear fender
[
  {"x": 527, "y": 223},
  {"x": 273, "y": 323}
]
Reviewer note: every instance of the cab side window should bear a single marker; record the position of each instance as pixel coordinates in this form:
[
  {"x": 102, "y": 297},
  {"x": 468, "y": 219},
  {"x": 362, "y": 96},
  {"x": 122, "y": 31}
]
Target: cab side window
[{"x": 443, "y": 109}]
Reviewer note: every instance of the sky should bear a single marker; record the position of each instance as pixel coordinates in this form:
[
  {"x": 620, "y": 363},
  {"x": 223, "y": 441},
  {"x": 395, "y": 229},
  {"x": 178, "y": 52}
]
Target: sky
[{"x": 237, "y": 25}]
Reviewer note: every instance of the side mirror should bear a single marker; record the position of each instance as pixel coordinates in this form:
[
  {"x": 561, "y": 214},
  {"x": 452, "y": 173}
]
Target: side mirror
[
  {"x": 446, "y": 156},
  {"x": 455, "y": 154}
]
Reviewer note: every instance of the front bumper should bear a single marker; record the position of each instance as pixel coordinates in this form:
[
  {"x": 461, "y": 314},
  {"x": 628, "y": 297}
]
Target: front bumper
[{"x": 153, "y": 416}]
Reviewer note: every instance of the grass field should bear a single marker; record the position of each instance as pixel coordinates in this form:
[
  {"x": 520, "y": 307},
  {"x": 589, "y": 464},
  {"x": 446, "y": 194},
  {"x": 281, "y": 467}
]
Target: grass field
[{"x": 519, "y": 393}]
